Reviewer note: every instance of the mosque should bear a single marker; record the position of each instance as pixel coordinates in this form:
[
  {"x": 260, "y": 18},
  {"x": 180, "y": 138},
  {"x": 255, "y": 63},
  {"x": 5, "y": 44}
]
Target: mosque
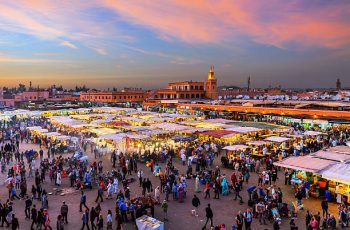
[{"x": 190, "y": 89}]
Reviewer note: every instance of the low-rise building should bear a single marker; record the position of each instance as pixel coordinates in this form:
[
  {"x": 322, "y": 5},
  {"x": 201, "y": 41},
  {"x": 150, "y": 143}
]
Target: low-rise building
[
  {"x": 126, "y": 95},
  {"x": 190, "y": 89}
]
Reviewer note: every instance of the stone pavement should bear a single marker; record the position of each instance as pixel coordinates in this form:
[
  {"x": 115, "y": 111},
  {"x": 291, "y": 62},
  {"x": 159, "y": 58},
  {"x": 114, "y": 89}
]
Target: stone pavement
[{"x": 179, "y": 214}]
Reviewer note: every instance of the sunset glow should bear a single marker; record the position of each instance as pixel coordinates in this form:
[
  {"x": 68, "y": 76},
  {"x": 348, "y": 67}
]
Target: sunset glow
[{"x": 146, "y": 44}]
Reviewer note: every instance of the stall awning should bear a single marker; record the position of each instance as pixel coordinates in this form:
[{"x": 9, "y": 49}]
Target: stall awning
[
  {"x": 312, "y": 133},
  {"x": 257, "y": 143},
  {"x": 121, "y": 136},
  {"x": 334, "y": 156},
  {"x": 217, "y": 133},
  {"x": 170, "y": 126},
  {"x": 52, "y": 134},
  {"x": 341, "y": 149},
  {"x": 338, "y": 172},
  {"x": 219, "y": 120},
  {"x": 277, "y": 139},
  {"x": 244, "y": 129},
  {"x": 235, "y": 147},
  {"x": 306, "y": 163}
]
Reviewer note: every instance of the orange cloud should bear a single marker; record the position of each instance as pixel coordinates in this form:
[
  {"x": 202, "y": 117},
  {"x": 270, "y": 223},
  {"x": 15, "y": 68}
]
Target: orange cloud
[
  {"x": 68, "y": 44},
  {"x": 271, "y": 22}
]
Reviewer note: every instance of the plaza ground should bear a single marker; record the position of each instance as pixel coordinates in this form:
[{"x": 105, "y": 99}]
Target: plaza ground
[{"x": 225, "y": 209}]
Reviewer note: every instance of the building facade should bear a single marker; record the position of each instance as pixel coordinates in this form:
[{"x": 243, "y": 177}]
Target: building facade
[
  {"x": 181, "y": 90},
  {"x": 189, "y": 89},
  {"x": 34, "y": 96},
  {"x": 114, "y": 97}
]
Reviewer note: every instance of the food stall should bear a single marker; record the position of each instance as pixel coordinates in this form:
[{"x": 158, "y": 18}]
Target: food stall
[
  {"x": 307, "y": 168},
  {"x": 339, "y": 181}
]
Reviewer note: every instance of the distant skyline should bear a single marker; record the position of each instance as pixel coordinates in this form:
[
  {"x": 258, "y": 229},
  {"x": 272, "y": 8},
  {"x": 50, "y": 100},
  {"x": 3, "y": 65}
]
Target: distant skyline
[{"x": 146, "y": 44}]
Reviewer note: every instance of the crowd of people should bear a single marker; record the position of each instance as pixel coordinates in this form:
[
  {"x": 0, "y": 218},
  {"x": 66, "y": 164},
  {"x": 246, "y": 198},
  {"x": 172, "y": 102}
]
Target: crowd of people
[{"x": 48, "y": 166}]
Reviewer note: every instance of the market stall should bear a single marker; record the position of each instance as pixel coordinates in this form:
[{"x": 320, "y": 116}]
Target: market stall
[
  {"x": 307, "y": 168},
  {"x": 334, "y": 156},
  {"x": 149, "y": 223},
  {"x": 277, "y": 139},
  {"x": 339, "y": 181}
]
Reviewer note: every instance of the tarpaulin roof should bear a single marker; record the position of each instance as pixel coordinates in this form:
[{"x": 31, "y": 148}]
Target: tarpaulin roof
[
  {"x": 277, "y": 139},
  {"x": 170, "y": 126},
  {"x": 236, "y": 147},
  {"x": 118, "y": 123},
  {"x": 332, "y": 156},
  {"x": 121, "y": 136},
  {"x": 243, "y": 129},
  {"x": 341, "y": 149},
  {"x": 219, "y": 120},
  {"x": 257, "y": 143},
  {"x": 305, "y": 163},
  {"x": 338, "y": 172},
  {"x": 217, "y": 133},
  {"x": 312, "y": 133}
]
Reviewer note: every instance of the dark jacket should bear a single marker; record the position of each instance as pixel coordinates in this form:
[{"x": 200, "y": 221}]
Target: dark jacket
[
  {"x": 196, "y": 202},
  {"x": 209, "y": 212}
]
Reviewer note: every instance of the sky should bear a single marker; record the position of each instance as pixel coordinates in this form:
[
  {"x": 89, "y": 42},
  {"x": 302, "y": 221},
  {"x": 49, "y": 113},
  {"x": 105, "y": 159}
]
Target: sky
[{"x": 148, "y": 43}]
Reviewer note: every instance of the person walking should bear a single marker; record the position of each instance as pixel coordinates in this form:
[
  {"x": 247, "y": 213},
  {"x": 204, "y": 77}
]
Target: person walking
[
  {"x": 207, "y": 191},
  {"x": 64, "y": 212},
  {"x": 248, "y": 219},
  {"x": 100, "y": 222},
  {"x": 60, "y": 223},
  {"x": 209, "y": 215},
  {"x": 237, "y": 190},
  {"x": 14, "y": 223},
  {"x": 47, "y": 220},
  {"x": 260, "y": 210},
  {"x": 99, "y": 194},
  {"x": 58, "y": 178},
  {"x": 165, "y": 207},
  {"x": 28, "y": 205},
  {"x": 83, "y": 201},
  {"x": 324, "y": 205},
  {"x": 93, "y": 216},
  {"x": 196, "y": 202},
  {"x": 157, "y": 194},
  {"x": 140, "y": 176},
  {"x": 85, "y": 219},
  {"x": 109, "y": 220},
  {"x": 34, "y": 215},
  {"x": 239, "y": 220}
]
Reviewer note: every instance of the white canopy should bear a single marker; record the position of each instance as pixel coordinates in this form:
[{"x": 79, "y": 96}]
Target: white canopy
[
  {"x": 170, "y": 126},
  {"x": 52, "y": 134},
  {"x": 277, "y": 139},
  {"x": 334, "y": 156},
  {"x": 132, "y": 119},
  {"x": 341, "y": 149},
  {"x": 121, "y": 136},
  {"x": 219, "y": 120},
  {"x": 34, "y": 128},
  {"x": 312, "y": 133},
  {"x": 257, "y": 143},
  {"x": 338, "y": 172},
  {"x": 67, "y": 121},
  {"x": 194, "y": 130},
  {"x": 305, "y": 163},
  {"x": 136, "y": 128},
  {"x": 63, "y": 138},
  {"x": 236, "y": 147},
  {"x": 239, "y": 129}
]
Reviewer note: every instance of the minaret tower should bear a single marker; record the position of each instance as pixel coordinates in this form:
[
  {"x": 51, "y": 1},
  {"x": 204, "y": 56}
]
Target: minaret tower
[{"x": 211, "y": 87}]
